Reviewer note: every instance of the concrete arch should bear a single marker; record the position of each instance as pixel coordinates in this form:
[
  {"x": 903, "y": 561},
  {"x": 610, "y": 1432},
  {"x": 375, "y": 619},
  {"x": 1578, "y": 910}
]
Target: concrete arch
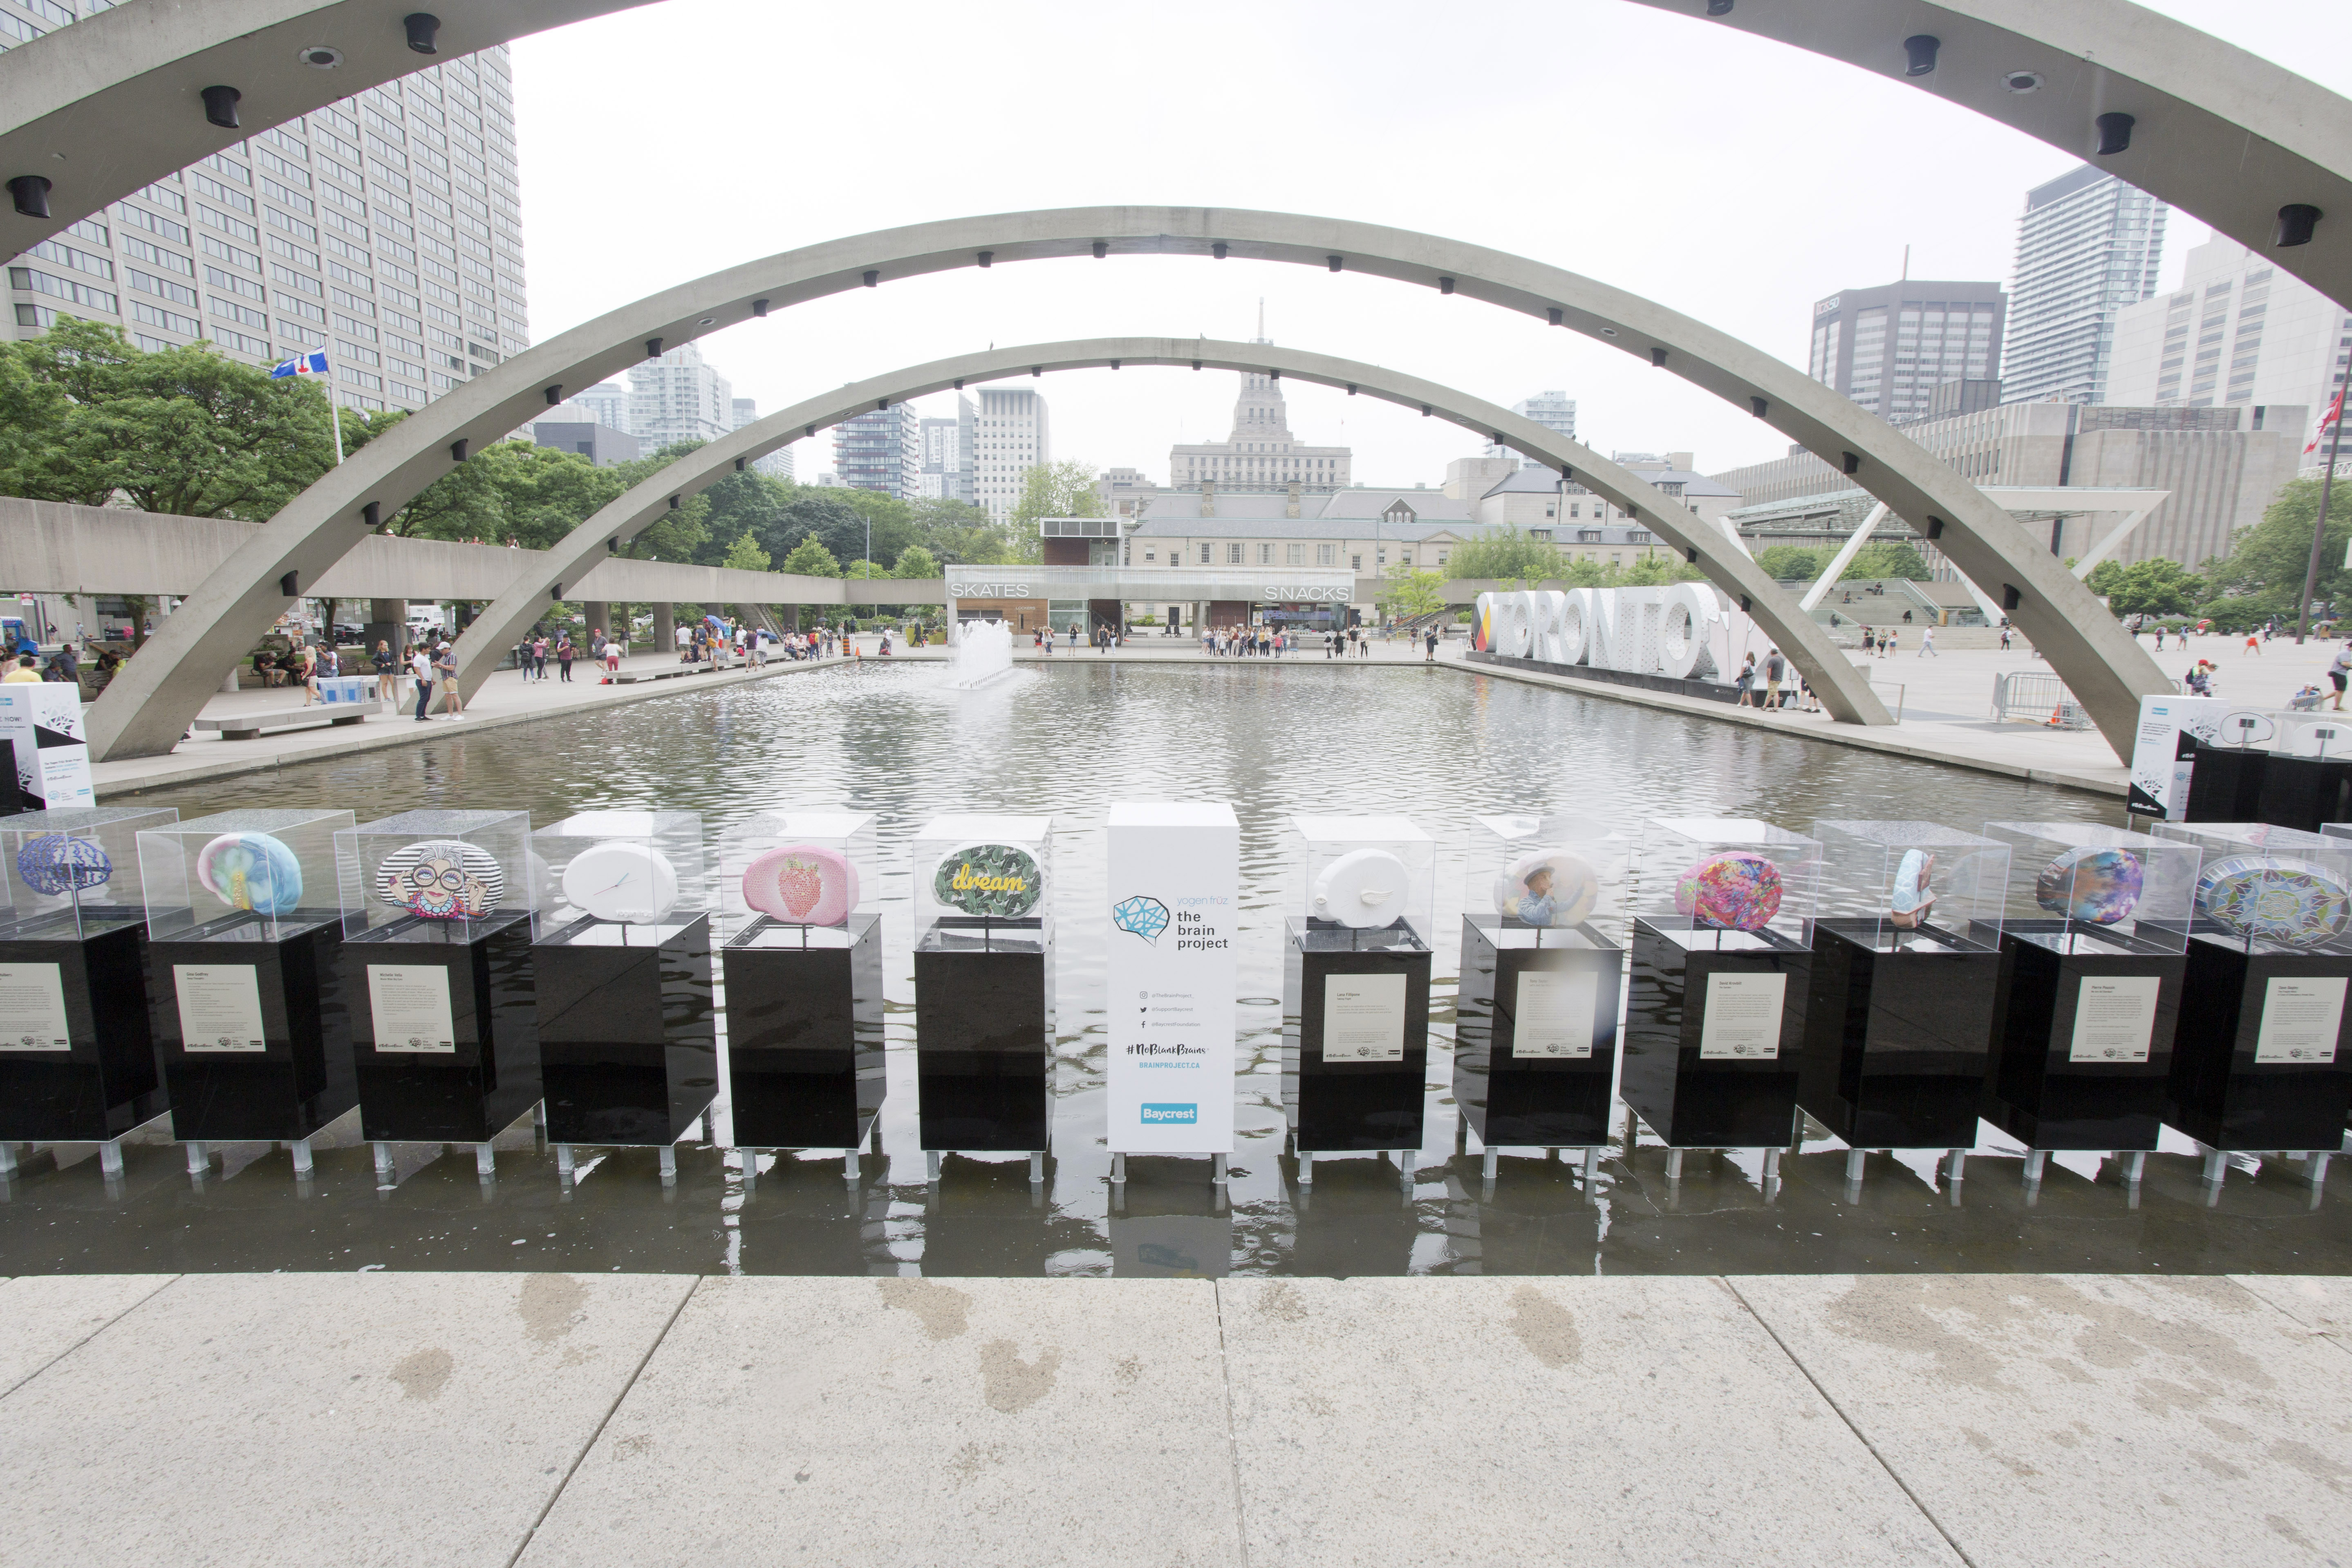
[
  {"x": 1843, "y": 688},
  {"x": 114, "y": 101},
  {"x": 2218, "y": 133},
  {"x": 148, "y": 707}
]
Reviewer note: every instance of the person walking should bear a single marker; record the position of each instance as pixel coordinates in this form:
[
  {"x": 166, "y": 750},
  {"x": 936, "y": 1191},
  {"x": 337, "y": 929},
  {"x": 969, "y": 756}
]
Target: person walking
[
  {"x": 1927, "y": 644},
  {"x": 420, "y": 669},
  {"x": 1774, "y": 668},
  {"x": 307, "y": 672},
  {"x": 1429, "y": 638},
  {"x": 2339, "y": 671},
  {"x": 539, "y": 656},
  {"x": 1744, "y": 682},
  {"x": 2159, "y": 641},
  {"x": 564, "y": 655},
  {"x": 444, "y": 674},
  {"x": 1893, "y": 643},
  {"x": 2005, "y": 635}
]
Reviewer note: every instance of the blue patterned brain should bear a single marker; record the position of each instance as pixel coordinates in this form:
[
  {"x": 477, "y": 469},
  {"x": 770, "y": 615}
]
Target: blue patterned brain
[{"x": 1147, "y": 918}]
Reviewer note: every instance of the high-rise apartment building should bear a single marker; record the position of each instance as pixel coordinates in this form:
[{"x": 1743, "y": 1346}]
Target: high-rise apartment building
[
  {"x": 385, "y": 229},
  {"x": 2088, "y": 246},
  {"x": 1555, "y": 411},
  {"x": 1011, "y": 435},
  {"x": 607, "y": 403},
  {"x": 1890, "y": 347},
  {"x": 881, "y": 450},
  {"x": 946, "y": 454},
  {"x": 678, "y": 398},
  {"x": 777, "y": 464},
  {"x": 2236, "y": 330}
]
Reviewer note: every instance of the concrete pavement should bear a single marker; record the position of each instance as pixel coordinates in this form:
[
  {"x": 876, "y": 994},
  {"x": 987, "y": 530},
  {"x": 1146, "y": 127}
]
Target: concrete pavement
[{"x": 547, "y": 1419}]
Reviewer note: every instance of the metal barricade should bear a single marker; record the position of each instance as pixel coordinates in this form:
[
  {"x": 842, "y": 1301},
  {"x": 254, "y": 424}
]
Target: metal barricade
[{"x": 2031, "y": 697}]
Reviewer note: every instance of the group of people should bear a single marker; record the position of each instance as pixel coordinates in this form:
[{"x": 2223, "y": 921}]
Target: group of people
[
  {"x": 530, "y": 656},
  {"x": 1889, "y": 643},
  {"x": 1774, "y": 684}
]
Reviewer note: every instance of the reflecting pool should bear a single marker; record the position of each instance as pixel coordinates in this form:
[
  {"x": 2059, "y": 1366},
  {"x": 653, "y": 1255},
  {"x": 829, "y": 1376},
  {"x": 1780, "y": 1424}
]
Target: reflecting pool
[{"x": 1272, "y": 738}]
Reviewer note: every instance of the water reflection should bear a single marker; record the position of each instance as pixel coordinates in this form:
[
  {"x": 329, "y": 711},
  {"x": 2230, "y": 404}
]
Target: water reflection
[{"x": 1273, "y": 740}]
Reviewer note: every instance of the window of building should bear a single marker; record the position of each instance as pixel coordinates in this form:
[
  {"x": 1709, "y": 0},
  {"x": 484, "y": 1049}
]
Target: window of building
[
  {"x": 1295, "y": 555},
  {"x": 1265, "y": 554},
  {"x": 1355, "y": 563},
  {"x": 1232, "y": 554},
  {"x": 1204, "y": 556}
]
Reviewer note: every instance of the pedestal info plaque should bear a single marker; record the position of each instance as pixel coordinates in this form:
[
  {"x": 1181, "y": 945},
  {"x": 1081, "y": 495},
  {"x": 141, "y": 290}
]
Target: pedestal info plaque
[
  {"x": 254, "y": 1032},
  {"x": 2085, "y": 1048},
  {"x": 1536, "y": 1031},
  {"x": 628, "y": 1041},
  {"x": 1714, "y": 1028},
  {"x": 1355, "y": 1036},
  {"x": 1898, "y": 1034},
  {"x": 77, "y": 1047},
  {"x": 983, "y": 1034},
  {"x": 1175, "y": 898},
  {"x": 445, "y": 1028},
  {"x": 804, "y": 1043},
  {"x": 2259, "y": 1061}
]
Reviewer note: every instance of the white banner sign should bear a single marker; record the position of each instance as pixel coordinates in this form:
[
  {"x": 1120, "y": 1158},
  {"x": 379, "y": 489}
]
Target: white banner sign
[
  {"x": 41, "y": 723},
  {"x": 1175, "y": 900}
]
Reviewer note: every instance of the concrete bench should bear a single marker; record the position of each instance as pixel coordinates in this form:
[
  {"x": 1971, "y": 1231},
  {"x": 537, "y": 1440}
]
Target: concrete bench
[
  {"x": 252, "y": 726},
  {"x": 634, "y": 677}
]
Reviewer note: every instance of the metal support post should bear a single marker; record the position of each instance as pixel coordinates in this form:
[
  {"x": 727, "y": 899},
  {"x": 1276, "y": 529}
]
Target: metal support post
[
  {"x": 1592, "y": 1166},
  {"x": 1673, "y": 1164},
  {"x": 2217, "y": 1167},
  {"x": 1771, "y": 1164},
  {"x": 200, "y": 1159},
  {"x": 851, "y": 1170},
  {"x": 110, "y": 1159},
  {"x": 1956, "y": 1166},
  {"x": 2036, "y": 1161},
  {"x": 1494, "y": 1158},
  {"x": 669, "y": 1164},
  {"x": 1217, "y": 1170},
  {"x": 2316, "y": 1168},
  {"x": 1857, "y": 1162},
  {"x": 486, "y": 1162},
  {"x": 384, "y": 1166},
  {"x": 7, "y": 1159},
  {"x": 750, "y": 1169},
  {"x": 564, "y": 1162},
  {"x": 1306, "y": 1169},
  {"x": 1118, "y": 1168},
  {"x": 303, "y": 1165},
  {"x": 1037, "y": 1169},
  {"x": 931, "y": 1160}
]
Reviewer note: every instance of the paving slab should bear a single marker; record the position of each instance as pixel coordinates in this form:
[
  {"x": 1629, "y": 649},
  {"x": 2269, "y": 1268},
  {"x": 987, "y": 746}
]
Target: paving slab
[
  {"x": 374, "y": 1418},
  {"x": 915, "y": 1421},
  {"x": 2321, "y": 1301},
  {"x": 1560, "y": 1420},
  {"x": 43, "y": 1316},
  {"x": 2087, "y": 1419}
]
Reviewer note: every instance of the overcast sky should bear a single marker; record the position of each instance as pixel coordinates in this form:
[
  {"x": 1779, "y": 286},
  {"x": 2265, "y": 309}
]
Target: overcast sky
[{"x": 1733, "y": 179}]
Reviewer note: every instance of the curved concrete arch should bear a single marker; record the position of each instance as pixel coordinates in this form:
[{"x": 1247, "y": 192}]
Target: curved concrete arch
[
  {"x": 114, "y": 101},
  {"x": 2217, "y": 132},
  {"x": 1843, "y": 688},
  {"x": 149, "y": 704}
]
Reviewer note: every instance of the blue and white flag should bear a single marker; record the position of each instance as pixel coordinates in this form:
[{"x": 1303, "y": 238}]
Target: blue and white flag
[{"x": 312, "y": 364}]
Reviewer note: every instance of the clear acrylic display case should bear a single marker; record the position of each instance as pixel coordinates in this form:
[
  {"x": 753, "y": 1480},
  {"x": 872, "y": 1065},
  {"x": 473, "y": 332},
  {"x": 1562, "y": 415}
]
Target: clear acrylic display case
[
  {"x": 435, "y": 875},
  {"x": 73, "y": 872},
  {"x": 1370, "y": 880},
  {"x": 967, "y": 869},
  {"x": 1726, "y": 884},
  {"x": 241, "y": 876},
  {"x": 2086, "y": 888},
  {"x": 783, "y": 874},
  {"x": 2266, "y": 888},
  {"x": 1545, "y": 877},
  {"x": 623, "y": 879},
  {"x": 2322, "y": 735},
  {"x": 1911, "y": 885}
]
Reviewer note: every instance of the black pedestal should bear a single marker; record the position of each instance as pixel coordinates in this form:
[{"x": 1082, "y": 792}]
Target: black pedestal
[
  {"x": 805, "y": 1063},
  {"x": 628, "y": 1043},
  {"x": 2225, "y": 783},
  {"x": 1729, "y": 1091},
  {"x": 2040, "y": 1093},
  {"x": 1549, "y": 1084},
  {"x": 984, "y": 1036},
  {"x": 100, "y": 1081},
  {"x": 1898, "y": 1038},
  {"x": 294, "y": 1079},
  {"x": 2221, "y": 1092},
  {"x": 2302, "y": 792},
  {"x": 470, "y": 1088},
  {"x": 1340, "y": 1099}
]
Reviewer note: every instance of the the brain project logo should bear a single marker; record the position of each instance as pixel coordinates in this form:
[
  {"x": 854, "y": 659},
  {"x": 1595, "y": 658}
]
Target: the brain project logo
[{"x": 1147, "y": 918}]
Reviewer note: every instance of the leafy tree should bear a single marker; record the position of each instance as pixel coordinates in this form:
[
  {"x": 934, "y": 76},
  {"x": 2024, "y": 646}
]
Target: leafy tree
[
  {"x": 915, "y": 561},
  {"x": 810, "y": 558},
  {"x": 2152, "y": 587},
  {"x": 1790, "y": 563},
  {"x": 2267, "y": 560},
  {"x": 745, "y": 554},
  {"x": 1507, "y": 555},
  {"x": 1653, "y": 572},
  {"x": 1065, "y": 489},
  {"x": 1884, "y": 559},
  {"x": 1408, "y": 595},
  {"x": 822, "y": 515},
  {"x": 960, "y": 533}
]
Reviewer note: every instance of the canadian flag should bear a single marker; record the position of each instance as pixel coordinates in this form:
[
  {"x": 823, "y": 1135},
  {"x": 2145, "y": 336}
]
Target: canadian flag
[{"x": 2335, "y": 413}]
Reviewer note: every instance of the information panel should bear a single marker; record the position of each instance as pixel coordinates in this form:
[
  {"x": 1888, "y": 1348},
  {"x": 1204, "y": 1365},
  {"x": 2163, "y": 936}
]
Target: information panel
[
  {"x": 33, "y": 1008},
  {"x": 1743, "y": 1017},
  {"x": 409, "y": 1003},
  {"x": 1553, "y": 1014},
  {"x": 1174, "y": 899},
  {"x": 2115, "y": 1019},
  {"x": 2302, "y": 1015},
  {"x": 220, "y": 1007}
]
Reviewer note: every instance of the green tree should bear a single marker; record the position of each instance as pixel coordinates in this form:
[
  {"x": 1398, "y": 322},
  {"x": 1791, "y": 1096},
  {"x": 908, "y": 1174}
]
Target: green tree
[
  {"x": 1065, "y": 489},
  {"x": 2152, "y": 587},
  {"x": 2267, "y": 560},
  {"x": 1653, "y": 572},
  {"x": 810, "y": 558},
  {"x": 1408, "y": 595},
  {"x": 1886, "y": 559},
  {"x": 745, "y": 554},
  {"x": 916, "y": 562},
  {"x": 1790, "y": 563},
  {"x": 1507, "y": 555},
  {"x": 961, "y": 534}
]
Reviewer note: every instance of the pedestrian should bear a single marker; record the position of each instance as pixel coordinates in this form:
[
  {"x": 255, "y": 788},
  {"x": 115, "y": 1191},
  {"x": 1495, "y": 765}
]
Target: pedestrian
[
  {"x": 1893, "y": 644},
  {"x": 445, "y": 672},
  {"x": 564, "y": 655},
  {"x": 2005, "y": 634},
  {"x": 420, "y": 668},
  {"x": 2159, "y": 641},
  {"x": 2254, "y": 643},
  {"x": 26, "y": 671},
  {"x": 1927, "y": 644},
  {"x": 1429, "y": 638},
  {"x": 1744, "y": 682},
  {"x": 1774, "y": 668},
  {"x": 1812, "y": 701},
  {"x": 387, "y": 674},
  {"x": 1074, "y": 636},
  {"x": 539, "y": 656},
  {"x": 2338, "y": 671},
  {"x": 307, "y": 667}
]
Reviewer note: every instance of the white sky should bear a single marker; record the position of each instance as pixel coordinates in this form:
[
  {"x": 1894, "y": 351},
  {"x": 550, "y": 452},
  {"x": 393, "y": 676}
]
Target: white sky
[{"x": 1733, "y": 179}]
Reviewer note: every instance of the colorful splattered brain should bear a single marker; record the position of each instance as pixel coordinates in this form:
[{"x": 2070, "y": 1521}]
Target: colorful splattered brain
[
  {"x": 1732, "y": 891},
  {"x": 2098, "y": 887}
]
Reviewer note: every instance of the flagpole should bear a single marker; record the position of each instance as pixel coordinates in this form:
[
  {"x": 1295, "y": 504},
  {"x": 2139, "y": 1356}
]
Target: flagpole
[
  {"x": 2319, "y": 528},
  {"x": 333, "y": 417}
]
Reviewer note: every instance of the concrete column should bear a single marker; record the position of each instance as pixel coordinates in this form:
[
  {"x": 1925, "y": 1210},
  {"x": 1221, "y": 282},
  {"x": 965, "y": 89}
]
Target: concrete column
[
  {"x": 599, "y": 613},
  {"x": 666, "y": 629}
]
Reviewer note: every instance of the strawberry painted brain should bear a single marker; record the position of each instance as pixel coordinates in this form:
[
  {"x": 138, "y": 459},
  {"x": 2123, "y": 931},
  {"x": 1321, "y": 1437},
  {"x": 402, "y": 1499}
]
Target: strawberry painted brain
[{"x": 806, "y": 884}]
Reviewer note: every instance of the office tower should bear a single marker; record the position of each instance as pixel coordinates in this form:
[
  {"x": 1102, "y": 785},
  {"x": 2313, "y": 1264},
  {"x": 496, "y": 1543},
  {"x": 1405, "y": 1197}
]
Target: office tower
[
  {"x": 1261, "y": 454},
  {"x": 385, "y": 229},
  {"x": 1890, "y": 347},
  {"x": 2088, "y": 246},
  {"x": 2236, "y": 330},
  {"x": 881, "y": 450},
  {"x": 1555, "y": 411},
  {"x": 606, "y": 403},
  {"x": 946, "y": 454},
  {"x": 1011, "y": 435},
  {"x": 678, "y": 398}
]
